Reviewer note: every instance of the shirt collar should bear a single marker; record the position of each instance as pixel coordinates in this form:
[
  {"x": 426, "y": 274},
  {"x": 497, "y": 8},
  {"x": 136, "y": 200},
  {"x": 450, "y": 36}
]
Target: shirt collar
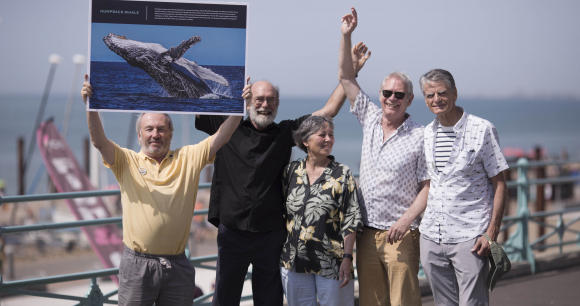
[
  {"x": 248, "y": 122},
  {"x": 145, "y": 157},
  {"x": 328, "y": 168},
  {"x": 406, "y": 124},
  {"x": 459, "y": 126}
]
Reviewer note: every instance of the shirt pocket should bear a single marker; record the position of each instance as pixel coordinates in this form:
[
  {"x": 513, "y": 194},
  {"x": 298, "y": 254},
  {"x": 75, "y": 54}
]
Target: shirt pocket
[{"x": 466, "y": 159}]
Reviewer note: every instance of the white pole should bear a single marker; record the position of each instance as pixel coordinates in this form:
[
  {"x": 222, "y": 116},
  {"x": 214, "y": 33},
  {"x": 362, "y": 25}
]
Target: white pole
[
  {"x": 94, "y": 163},
  {"x": 79, "y": 60}
]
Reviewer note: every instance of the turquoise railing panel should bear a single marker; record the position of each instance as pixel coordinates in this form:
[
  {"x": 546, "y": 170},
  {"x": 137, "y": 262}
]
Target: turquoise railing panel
[{"x": 518, "y": 246}]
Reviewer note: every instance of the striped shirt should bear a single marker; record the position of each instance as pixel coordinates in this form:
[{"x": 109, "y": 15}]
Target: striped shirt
[{"x": 443, "y": 146}]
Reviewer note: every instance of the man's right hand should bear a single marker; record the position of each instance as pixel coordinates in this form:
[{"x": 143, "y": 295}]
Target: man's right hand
[
  {"x": 87, "y": 90},
  {"x": 349, "y": 22}
]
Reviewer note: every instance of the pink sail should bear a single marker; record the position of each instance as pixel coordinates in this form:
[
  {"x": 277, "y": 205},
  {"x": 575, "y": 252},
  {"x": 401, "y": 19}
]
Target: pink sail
[{"x": 67, "y": 176}]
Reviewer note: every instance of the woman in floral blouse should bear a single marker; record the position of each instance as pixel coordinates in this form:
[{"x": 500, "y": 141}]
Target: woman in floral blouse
[{"x": 322, "y": 218}]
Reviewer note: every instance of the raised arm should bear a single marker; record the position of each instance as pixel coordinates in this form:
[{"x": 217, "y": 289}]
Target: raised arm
[
  {"x": 346, "y": 73},
  {"x": 224, "y": 133},
  {"x": 334, "y": 104},
  {"x": 98, "y": 137}
]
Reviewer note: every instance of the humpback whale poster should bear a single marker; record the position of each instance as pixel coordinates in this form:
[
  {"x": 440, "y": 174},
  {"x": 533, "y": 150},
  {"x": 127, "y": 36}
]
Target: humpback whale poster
[{"x": 172, "y": 57}]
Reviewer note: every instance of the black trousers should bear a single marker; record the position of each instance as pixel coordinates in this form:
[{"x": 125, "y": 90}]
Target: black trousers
[{"x": 236, "y": 251}]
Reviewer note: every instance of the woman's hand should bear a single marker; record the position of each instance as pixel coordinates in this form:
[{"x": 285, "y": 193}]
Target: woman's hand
[{"x": 345, "y": 272}]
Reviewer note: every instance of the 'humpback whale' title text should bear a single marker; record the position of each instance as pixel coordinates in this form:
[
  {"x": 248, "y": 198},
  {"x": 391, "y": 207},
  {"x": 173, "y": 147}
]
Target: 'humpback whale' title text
[{"x": 119, "y": 12}]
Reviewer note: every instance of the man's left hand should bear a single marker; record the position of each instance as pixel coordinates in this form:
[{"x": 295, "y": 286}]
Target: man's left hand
[
  {"x": 247, "y": 94},
  {"x": 481, "y": 247},
  {"x": 360, "y": 56},
  {"x": 398, "y": 230},
  {"x": 345, "y": 272}
]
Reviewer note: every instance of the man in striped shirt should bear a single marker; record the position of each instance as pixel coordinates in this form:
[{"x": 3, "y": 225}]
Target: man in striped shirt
[{"x": 466, "y": 197}]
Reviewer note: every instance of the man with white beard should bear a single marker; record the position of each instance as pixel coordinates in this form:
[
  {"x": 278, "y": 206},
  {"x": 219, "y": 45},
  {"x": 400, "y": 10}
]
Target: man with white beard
[
  {"x": 158, "y": 192},
  {"x": 246, "y": 201}
]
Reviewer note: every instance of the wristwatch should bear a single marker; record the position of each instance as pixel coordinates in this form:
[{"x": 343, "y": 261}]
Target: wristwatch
[{"x": 349, "y": 256}]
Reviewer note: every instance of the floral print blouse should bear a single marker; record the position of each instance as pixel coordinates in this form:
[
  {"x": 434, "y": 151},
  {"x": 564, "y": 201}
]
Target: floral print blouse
[{"x": 318, "y": 217}]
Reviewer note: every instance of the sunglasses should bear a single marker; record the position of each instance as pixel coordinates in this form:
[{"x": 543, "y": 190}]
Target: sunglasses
[{"x": 388, "y": 93}]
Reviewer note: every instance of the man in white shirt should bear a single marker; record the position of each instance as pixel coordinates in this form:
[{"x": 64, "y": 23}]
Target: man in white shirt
[
  {"x": 393, "y": 185},
  {"x": 466, "y": 199}
]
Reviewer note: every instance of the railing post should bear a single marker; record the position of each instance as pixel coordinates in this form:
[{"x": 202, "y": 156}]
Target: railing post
[
  {"x": 519, "y": 240},
  {"x": 94, "y": 296},
  {"x": 561, "y": 227}
]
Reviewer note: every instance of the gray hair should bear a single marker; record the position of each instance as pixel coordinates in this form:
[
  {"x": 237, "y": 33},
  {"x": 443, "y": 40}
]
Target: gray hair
[
  {"x": 309, "y": 127},
  {"x": 403, "y": 77},
  {"x": 437, "y": 75},
  {"x": 167, "y": 118}
]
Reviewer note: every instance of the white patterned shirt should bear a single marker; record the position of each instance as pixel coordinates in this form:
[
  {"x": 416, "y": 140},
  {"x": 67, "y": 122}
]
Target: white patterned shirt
[
  {"x": 460, "y": 200},
  {"x": 390, "y": 171}
]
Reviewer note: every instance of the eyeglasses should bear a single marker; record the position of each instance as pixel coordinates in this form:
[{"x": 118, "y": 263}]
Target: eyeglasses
[
  {"x": 388, "y": 93},
  {"x": 270, "y": 100}
]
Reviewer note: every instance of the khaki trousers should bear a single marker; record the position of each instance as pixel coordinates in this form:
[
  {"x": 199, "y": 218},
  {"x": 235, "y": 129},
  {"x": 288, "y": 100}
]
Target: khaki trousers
[{"x": 387, "y": 274}]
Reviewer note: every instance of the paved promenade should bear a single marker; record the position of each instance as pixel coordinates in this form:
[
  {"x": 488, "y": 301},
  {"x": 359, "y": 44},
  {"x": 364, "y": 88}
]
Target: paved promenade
[{"x": 560, "y": 287}]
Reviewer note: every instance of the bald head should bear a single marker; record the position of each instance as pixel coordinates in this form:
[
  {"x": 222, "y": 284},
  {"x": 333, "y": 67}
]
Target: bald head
[{"x": 265, "y": 85}]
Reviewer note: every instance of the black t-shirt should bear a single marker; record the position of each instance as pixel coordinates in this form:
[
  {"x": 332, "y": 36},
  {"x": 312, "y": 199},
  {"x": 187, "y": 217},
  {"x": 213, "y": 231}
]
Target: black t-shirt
[{"x": 246, "y": 190}]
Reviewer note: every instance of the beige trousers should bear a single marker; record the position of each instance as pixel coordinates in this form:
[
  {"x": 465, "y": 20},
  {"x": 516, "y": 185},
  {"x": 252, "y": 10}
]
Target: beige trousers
[{"x": 387, "y": 274}]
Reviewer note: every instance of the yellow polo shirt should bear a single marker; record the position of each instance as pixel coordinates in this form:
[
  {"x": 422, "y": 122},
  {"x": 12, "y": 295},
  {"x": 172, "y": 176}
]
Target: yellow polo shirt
[{"x": 158, "y": 199}]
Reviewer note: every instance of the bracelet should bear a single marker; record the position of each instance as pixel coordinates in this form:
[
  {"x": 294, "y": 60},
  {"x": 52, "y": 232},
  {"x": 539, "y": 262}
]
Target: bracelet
[{"x": 349, "y": 256}]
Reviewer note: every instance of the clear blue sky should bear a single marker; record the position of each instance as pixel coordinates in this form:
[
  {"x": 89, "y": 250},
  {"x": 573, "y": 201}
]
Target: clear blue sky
[
  {"x": 494, "y": 48},
  {"x": 218, "y": 46}
]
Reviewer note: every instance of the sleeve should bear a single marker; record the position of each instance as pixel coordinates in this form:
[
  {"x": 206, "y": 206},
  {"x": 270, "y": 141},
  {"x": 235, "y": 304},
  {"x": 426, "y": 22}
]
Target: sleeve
[
  {"x": 493, "y": 160},
  {"x": 120, "y": 162},
  {"x": 199, "y": 153},
  {"x": 362, "y": 107},
  {"x": 285, "y": 178},
  {"x": 209, "y": 124},
  {"x": 295, "y": 124},
  {"x": 351, "y": 218},
  {"x": 422, "y": 171}
]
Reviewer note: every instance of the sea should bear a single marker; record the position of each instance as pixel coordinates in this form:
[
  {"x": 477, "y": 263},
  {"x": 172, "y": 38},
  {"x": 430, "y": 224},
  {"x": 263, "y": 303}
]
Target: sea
[
  {"x": 521, "y": 123},
  {"x": 119, "y": 86}
]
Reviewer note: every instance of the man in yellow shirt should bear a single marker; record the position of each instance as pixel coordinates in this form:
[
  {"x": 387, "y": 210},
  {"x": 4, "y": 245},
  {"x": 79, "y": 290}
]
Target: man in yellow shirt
[{"x": 158, "y": 191}]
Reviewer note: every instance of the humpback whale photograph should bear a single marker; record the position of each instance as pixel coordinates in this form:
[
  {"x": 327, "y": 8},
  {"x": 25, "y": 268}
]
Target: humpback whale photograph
[
  {"x": 180, "y": 77},
  {"x": 167, "y": 69}
]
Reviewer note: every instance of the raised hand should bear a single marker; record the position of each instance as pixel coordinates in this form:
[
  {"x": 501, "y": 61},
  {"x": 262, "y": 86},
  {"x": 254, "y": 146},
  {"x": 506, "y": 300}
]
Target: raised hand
[
  {"x": 87, "y": 90},
  {"x": 360, "y": 56},
  {"x": 349, "y": 22},
  {"x": 247, "y": 94}
]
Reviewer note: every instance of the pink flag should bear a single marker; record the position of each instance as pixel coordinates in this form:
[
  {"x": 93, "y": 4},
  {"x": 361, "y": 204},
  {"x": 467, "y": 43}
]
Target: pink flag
[{"x": 67, "y": 176}]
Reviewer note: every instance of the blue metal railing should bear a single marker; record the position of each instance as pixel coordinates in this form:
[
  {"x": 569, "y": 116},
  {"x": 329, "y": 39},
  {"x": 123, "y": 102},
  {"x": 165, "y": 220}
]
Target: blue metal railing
[{"x": 518, "y": 246}]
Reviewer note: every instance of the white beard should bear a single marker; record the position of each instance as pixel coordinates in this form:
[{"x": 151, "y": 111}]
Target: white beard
[
  {"x": 262, "y": 121},
  {"x": 148, "y": 149}
]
